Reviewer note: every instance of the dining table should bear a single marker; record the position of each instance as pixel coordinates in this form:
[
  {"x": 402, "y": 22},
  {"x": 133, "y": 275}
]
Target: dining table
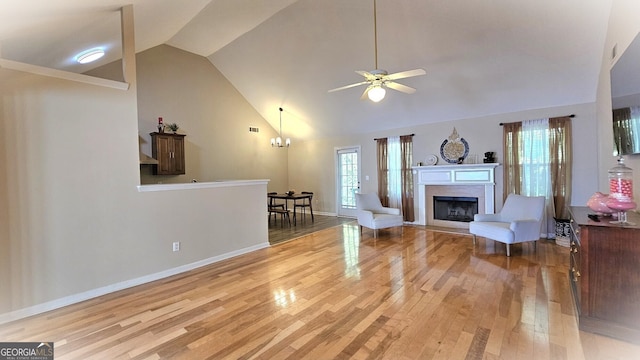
[{"x": 293, "y": 197}]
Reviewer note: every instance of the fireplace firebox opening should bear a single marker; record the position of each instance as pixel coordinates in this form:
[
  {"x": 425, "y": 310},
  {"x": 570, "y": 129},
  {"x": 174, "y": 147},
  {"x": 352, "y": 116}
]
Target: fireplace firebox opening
[{"x": 454, "y": 208}]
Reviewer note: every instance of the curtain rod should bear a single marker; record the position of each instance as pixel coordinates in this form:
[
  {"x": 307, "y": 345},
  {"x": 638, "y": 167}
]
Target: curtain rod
[
  {"x": 571, "y": 116},
  {"x": 376, "y": 139}
]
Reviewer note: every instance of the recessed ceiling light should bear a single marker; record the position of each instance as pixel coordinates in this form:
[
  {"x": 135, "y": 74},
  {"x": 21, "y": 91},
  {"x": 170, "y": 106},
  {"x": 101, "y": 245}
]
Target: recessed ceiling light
[{"x": 89, "y": 55}]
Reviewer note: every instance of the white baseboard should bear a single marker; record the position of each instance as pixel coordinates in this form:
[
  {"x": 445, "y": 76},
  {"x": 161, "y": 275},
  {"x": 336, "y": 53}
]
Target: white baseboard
[
  {"x": 323, "y": 213},
  {"x": 318, "y": 213},
  {"x": 73, "y": 299}
]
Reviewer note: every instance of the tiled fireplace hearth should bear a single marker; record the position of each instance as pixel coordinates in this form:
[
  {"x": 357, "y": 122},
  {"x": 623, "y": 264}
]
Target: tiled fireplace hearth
[{"x": 465, "y": 180}]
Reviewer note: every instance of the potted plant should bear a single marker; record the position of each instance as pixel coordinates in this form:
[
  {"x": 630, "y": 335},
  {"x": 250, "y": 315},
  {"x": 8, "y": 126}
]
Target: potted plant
[{"x": 173, "y": 127}]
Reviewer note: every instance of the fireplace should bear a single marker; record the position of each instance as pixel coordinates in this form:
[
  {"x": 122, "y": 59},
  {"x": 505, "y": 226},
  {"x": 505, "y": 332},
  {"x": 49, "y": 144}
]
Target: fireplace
[
  {"x": 453, "y": 192},
  {"x": 455, "y": 208},
  {"x": 466, "y": 181}
]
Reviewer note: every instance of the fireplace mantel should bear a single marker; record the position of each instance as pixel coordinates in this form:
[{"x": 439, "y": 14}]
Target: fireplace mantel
[{"x": 463, "y": 174}]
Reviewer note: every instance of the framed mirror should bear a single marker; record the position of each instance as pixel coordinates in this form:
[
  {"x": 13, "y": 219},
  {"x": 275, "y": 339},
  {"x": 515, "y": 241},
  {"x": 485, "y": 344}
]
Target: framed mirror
[{"x": 625, "y": 101}]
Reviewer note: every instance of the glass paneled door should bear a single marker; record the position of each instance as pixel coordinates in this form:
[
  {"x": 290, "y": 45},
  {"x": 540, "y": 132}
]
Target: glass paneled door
[{"x": 348, "y": 182}]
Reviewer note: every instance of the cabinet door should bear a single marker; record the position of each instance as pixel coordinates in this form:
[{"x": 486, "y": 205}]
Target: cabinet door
[
  {"x": 178, "y": 156},
  {"x": 614, "y": 292},
  {"x": 168, "y": 149},
  {"x": 163, "y": 147}
]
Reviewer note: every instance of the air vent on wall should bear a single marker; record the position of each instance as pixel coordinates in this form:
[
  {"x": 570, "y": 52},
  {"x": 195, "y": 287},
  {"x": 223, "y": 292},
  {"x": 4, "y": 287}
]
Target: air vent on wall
[{"x": 254, "y": 129}]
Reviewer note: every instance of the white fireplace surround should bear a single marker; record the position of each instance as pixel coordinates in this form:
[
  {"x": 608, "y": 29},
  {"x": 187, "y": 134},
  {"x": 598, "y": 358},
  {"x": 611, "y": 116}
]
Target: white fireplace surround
[{"x": 463, "y": 174}]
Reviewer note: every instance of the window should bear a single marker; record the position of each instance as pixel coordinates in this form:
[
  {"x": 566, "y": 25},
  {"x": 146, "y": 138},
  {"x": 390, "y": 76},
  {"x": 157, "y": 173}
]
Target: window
[
  {"x": 537, "y": 162},
  {"x": 395, "y": 176}
]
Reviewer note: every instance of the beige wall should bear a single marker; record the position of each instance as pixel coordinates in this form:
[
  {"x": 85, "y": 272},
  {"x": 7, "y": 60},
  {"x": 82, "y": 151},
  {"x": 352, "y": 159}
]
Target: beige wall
[
  {"x": 187, "y": 89},
  {"x": 73, "y": 224}
]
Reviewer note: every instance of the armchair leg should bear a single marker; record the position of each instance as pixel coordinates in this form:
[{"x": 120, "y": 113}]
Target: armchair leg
[
  {"x": 474, "y": 239},
  {"x": 508, "y": 249}
]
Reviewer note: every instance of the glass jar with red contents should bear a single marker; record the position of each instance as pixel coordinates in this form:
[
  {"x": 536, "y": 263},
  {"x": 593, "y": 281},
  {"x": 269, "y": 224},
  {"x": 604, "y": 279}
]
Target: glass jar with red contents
[
  {"x": 621, "y": 190},
  {"x": 621, "y": 182}
]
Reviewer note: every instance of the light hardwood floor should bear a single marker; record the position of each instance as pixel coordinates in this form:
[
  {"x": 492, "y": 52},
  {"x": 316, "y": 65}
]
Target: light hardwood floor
[
  {"x": 279, "y": 232},
  {"x": 337, "y": 294}
]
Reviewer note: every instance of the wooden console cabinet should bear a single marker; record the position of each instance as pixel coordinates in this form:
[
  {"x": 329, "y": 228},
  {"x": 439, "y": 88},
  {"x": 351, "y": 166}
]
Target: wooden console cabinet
[
  {"x": 168, "y": 149},
  {"x": 604, "y": 274}
]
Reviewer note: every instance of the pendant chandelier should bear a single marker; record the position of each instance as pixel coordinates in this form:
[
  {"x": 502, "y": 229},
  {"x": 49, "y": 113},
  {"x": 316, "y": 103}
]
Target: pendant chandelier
[{"x": 277, "y": 142}]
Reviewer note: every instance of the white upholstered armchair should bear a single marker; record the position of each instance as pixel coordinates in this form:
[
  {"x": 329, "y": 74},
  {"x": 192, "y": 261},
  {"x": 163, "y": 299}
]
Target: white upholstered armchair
[
  {"x": 372, "y": 215},
  {"x": 520, "y": 220}
]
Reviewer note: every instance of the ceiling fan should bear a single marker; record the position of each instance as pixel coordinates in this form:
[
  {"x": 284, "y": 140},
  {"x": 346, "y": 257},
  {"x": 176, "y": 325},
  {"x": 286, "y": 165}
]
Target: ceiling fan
[{"x": 376, "y": 80}]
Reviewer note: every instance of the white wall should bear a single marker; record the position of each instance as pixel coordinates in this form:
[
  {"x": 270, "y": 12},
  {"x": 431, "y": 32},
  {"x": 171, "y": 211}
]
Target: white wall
[
  {"x": 623, "y": 28},
  {"x": 312, "y": 164},
  {"x": 592, "y": 130}
]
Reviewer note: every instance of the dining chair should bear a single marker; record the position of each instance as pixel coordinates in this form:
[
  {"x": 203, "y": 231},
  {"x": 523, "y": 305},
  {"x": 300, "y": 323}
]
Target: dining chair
[
  {"x": 278, "y": 208},
  {"x": 303, "y": 206},
  {"x": 273, "y": 206}
]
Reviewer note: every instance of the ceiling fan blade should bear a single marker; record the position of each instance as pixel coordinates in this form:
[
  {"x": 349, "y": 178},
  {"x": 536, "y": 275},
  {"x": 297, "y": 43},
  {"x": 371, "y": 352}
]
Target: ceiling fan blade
[
  {"x": 399, "y": 87},
  {"x": 367, "y": 75},
  {"x": 349, "y": 86},
  {"x": 365, "y": 95},
  {"x": 405, "y": 74}
]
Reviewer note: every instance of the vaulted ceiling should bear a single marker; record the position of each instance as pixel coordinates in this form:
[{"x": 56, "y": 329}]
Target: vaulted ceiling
[{"x": 481, "y": 57}]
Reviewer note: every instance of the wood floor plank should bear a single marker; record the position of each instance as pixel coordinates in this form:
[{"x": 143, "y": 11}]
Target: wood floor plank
[{"x": 412, "y": 293}]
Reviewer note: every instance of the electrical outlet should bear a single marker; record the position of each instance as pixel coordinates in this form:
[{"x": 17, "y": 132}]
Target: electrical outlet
[{"x": 176, "y": 246}]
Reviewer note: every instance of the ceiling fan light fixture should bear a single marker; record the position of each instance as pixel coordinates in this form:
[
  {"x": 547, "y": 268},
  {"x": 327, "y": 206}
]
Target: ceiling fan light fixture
[
  {"x": 377, "y": 79},
  {"x": 376, "y": 93},
  {"x": 90, "y": 55}
]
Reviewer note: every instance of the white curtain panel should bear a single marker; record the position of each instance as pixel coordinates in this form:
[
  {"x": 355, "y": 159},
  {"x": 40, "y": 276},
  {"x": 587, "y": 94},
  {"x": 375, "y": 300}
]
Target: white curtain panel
[
  {"x": 635, "y": 123},
  {"x": 395, "y": 172},
  {"x": 536, "y": 172}
]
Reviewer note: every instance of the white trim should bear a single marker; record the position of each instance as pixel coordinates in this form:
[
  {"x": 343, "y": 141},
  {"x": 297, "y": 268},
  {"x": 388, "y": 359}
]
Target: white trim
[
  {"x": 202, "y": 185},
  {"x": 463, "y": 174},
  {"x": 336, "y": 162},
  {"x": 61, "y": 74},
  {"x": 74, "y": 299},
  {"x": 324, "y": 213}
]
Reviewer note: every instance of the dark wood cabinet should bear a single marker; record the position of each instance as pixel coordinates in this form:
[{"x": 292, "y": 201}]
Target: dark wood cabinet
[
  {"x": 168, "y": 149},
  {"x": 604, "y": 273}
]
